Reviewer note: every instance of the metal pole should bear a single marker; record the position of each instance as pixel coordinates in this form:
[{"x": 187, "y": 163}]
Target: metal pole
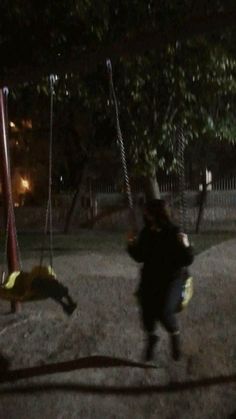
[{"x": 9, "y": 217}]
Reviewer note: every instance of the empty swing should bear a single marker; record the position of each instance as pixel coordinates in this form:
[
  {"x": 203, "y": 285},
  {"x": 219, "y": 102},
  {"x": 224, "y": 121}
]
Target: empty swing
[{"x": 40, "y": 283}]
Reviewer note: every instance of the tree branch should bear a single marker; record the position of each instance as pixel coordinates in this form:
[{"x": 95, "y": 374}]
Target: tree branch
[{"x": 138, "y": 44}]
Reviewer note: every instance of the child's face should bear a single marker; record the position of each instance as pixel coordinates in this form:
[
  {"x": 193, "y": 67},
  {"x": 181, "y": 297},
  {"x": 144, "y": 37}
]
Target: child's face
[{"x": 148, "y": 218}]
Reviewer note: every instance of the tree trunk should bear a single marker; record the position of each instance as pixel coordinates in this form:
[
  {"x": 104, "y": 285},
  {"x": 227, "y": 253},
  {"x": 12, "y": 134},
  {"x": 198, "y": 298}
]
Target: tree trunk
[
  {"x": 202, "y": 204},
  {"x": 151, "y": 186},
  {"x": 75, "y": 199}
]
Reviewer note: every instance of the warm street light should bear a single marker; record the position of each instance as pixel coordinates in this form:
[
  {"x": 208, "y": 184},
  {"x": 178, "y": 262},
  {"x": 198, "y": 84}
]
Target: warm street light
[{"x": 25, "y": 184}]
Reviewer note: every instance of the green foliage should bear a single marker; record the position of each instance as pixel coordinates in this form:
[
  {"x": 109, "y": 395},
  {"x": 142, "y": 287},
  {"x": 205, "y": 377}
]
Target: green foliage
[{"x": 175, "y": 87}]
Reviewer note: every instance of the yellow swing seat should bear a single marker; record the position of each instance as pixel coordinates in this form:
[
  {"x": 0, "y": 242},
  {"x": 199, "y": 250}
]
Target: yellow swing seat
[
  {"x": 18, "y": 286},
  {"x": 187, "y": 293}
]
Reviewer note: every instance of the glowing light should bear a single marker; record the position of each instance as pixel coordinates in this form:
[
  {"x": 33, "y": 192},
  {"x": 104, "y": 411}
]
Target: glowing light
[
  {"x": 26, "y": 123},
  {"x": 25, "y": 184},
  {"x": 13, "y": 126}
]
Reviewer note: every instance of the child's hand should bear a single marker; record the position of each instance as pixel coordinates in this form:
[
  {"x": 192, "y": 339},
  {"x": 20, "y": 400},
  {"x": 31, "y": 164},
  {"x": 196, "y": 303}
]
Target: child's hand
[{"x": 183, "y": 238}]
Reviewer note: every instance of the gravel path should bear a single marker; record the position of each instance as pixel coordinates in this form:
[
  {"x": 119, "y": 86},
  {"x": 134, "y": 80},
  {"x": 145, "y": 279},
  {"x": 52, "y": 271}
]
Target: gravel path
[{"x": 98, "y": 351}]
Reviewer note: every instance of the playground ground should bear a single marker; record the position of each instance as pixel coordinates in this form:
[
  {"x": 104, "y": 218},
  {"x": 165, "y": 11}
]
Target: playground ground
[{"x": 90, "y": 365}]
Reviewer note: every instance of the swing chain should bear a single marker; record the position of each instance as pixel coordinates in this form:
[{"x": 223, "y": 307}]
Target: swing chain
[
  {"x": 48, "y": 218},
  {"x": 120, "y": 138},
  {"x": 10, "y": 212},
  {"x": 5, "y": 91},
  {"x": 181, "y": 176}
]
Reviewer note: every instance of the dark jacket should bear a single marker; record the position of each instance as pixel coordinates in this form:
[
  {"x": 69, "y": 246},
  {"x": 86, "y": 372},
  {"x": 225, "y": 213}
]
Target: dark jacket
[{"x": 163, "y": 256}]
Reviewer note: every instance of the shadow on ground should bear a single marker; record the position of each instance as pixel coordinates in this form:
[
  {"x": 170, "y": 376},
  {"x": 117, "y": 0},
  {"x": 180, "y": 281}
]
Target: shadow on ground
[{"x": 101, "y": 362}]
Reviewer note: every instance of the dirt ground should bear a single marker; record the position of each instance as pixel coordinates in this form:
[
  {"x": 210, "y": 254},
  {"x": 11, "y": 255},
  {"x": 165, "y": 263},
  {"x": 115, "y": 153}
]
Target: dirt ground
[{"x": 90, "y": 365}]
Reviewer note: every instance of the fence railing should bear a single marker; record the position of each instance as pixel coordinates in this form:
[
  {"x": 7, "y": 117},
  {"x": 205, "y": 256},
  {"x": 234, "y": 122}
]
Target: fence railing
[
  {"x": 168, "y": 185},
  {"x": 224, "y": 184}
]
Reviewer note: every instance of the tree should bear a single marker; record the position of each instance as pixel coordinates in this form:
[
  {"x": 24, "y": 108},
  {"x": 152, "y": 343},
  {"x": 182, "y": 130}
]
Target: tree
[
  {"x": 173, "y": 89},
  {"x": 64, "y": 36},
  {"x": 158, "y": 89}
]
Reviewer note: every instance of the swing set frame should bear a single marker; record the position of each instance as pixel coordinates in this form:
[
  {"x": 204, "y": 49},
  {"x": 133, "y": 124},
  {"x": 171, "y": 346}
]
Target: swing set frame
[{"x": 11, "y": 251}]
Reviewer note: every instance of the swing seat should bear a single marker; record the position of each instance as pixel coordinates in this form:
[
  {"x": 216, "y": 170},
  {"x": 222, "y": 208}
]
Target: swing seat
[
  {"x": 187, "y": 293},
  {"x": 18, "y": 286}
]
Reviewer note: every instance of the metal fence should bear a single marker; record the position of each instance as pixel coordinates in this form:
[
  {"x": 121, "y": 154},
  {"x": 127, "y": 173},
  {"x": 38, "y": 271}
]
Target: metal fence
[
  {"x": 169, "y": 184},
  {"x": 224, "y": 184}
]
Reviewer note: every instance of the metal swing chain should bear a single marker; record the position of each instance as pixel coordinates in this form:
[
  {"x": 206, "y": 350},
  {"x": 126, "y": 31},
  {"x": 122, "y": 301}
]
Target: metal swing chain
[
  {"x": 48, "y": 218},
  {"x": 121, "y": 143},
  {"x": 10, "y": 212},
  {"x": 181, "y": 177}
]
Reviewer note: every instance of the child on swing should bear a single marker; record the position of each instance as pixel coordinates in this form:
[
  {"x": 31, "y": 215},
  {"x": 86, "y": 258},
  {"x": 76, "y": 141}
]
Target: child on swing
[
  {"x": 46, "y": 285},
  {"x": 39, "y": 283}
]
